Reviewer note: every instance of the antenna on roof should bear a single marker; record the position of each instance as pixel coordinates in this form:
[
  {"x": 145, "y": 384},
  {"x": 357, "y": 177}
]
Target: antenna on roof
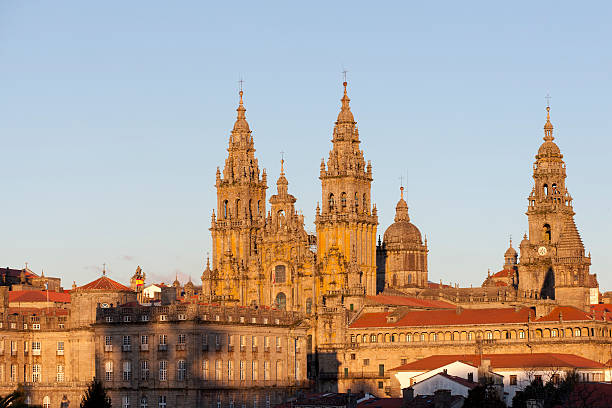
[{"x": 104, "y": 269}]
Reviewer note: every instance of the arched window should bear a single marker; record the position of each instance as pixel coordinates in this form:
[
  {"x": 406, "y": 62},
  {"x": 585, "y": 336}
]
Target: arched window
[
  {"x": 554, "y": 188},
  {"x": 546, "y": 235},
  {"x": 280, "y": 274},
  {"x": 237, "y": 208},
  {"x": 365, "y": 202},
  {"x": 258, "y": 207},
  {"x": 546, "y": 190},
  {"x": 281, "y": 301},
  {"x": 356, "y": 201},
  {"x": 331, "y": 202},
  {"x": 343, "y": 200},
  {"x": 251, "y": 209},
  {"x": 309, "y": 306},
  {"x": 225, "y": 209},
  {"x": 409, "y": 279},
  {"x": 144, "y": 402},
  {"x": 46, "y": 402},
  {"x": 394, "y": 280}
]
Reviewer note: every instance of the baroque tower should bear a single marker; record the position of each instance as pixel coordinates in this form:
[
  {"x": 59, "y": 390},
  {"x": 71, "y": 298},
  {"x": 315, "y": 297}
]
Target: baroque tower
[
  {"x": 346, "y": 223},
  {"x": 287, "y": 260},
  {"x": 553, "y": 263},
  {"x": 241, "y": 200}
]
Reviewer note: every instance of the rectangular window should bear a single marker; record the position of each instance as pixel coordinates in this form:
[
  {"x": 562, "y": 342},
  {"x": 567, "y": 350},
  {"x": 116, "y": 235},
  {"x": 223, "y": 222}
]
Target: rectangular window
[
  {"x": 127, "y": 318},
  {"x": 217, "y": 340},
  {"x": 162, "y": 401},
  {"x": 36, "y": 348},
  {"x": 144, "y": 318},
  {"x": 36, "y": 326},
  {"x": 126, "y": 401},
  {"x": 163, "y": 370},
  {"x": 1, "y": 373},
  {"x": 13, "y": 348},
  {"x": 127, "y": 343},
  {"x": 60, "y": 348},
  {"x": 218, "y": 368},
  {"x": 230, "y": 370},
  {"x": 181, "y": 370},
  {"x": 242, "y": 369},
  {"x": 205, "y": 339},
  {"x": 36, "y": 373},
  {"x": 267, "y": 342},
  {"x": 144, "y": 369},
  {"x": 381, "y": 370},
  {"x": 182, "y": 339},
  {"x": 205, "y": 369},
  {"x": 60, "y": 373},
  {"x": 254, "y": 370},
  {"x": 127, "y": 370},
  {"x": 13, "y": 373},
  {"x": 513, "y": 380},
  {"x": 266, "y": 370},
  {"x": 366, "y": 361},
  {"x": 108, "y": 371}
]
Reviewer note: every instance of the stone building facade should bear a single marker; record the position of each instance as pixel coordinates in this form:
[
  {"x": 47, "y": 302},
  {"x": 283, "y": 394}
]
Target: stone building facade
[{"x": 278, "y": 307}]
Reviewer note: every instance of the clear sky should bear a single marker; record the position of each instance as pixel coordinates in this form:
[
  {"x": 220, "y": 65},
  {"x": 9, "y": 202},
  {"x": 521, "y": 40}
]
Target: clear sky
[{"x": 114, "y": 116}]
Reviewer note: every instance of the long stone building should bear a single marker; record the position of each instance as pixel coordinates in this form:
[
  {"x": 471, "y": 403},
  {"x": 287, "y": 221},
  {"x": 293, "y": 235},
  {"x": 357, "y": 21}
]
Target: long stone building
[{"x": 280, "y": 310}]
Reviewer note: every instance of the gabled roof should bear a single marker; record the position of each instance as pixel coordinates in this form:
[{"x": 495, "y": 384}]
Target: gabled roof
[
  {"x": 498, "y": 361},
  {"x": 410, "y": 301},
  {"x": 38, "y": 296},
  {"x": 461, "y": 381},
  {"x": 444, "y": 317},
  {"x": 104, "y": 283},
  {"x": 567, "y": 313},
  {"x": 16, "y": 273}
]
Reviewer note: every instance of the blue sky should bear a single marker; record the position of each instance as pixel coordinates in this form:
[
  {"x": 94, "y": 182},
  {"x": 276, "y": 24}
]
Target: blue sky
[{"x": 114, "y": 116}]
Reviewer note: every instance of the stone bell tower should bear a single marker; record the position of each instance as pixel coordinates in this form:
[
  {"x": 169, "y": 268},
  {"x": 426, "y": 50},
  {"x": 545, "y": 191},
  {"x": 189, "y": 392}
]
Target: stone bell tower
[
  {"x": 241, "y": 200},
  {"x": 553, "y": 263},
  {"x": 346, "y": 223}
]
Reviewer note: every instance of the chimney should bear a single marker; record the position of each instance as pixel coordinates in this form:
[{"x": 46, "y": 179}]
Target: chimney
[
  {"x": 483, "y": 369},
  {"x": 442, "y": 399},
  {"x": 407, "y": 396}
]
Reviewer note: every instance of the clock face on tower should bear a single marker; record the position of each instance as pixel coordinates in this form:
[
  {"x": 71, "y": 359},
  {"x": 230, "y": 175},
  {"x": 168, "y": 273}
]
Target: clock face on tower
[{"x": 542, "y": 251}]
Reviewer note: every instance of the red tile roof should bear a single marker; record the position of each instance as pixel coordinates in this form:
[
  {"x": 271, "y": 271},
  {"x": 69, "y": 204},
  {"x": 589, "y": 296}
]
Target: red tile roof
[
  {"x": 465, "y": 382},
  {"x": 519, "y": 360},
  {"x": 505, "y": 273},
  {"x": 444, "y": 317},
  {"x": 410, "y": 301},
  {"x": 433, "y": 285},
  {"x": 38, "y": 296},
  {"x": 53, "y": 311},
  {"x": 568, "y": 313},
  {"x": 104, "y": 283},
  {"x": 381, "y": 403}
]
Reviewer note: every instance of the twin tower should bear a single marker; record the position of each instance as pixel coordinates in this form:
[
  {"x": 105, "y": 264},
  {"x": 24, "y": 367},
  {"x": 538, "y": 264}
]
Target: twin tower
[{"x": 264, "y": 256}]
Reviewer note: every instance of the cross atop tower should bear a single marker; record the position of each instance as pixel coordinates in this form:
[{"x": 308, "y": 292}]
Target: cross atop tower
[
  {"x": 548, "y": 98},
  {"x": 344, "y": 72},
  {"x": 240, "y": 82}
]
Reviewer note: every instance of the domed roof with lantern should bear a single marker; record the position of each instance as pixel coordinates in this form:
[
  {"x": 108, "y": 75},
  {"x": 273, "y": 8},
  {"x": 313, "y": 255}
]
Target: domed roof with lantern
[{"x": 402, "y": 230}]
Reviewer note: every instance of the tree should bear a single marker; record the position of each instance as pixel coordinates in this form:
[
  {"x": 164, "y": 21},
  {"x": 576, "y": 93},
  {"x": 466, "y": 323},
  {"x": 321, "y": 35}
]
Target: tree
[
  {"x": 567, "y": 392},
  {"x": 95, "y": 396},
  {"x": 15, "y": 399},
  {"x": 485, "y": 395}
]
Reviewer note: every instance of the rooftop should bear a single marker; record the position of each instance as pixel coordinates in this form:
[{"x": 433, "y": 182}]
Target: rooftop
[{"x": 498, "y": 361}]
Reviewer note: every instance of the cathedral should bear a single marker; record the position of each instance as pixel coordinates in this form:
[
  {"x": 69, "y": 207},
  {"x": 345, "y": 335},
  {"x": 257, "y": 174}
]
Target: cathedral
[
  {"x": 264, "y": 256},
  {"x": 281, "y": 312}
]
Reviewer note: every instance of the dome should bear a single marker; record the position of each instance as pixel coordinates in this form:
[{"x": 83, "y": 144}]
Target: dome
[
  {"x": 510, "y": 252},
  {"x": 548, "y": 149},
  {"x": 345, "y": 114},
  {"x": 402, "y": 232}
]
